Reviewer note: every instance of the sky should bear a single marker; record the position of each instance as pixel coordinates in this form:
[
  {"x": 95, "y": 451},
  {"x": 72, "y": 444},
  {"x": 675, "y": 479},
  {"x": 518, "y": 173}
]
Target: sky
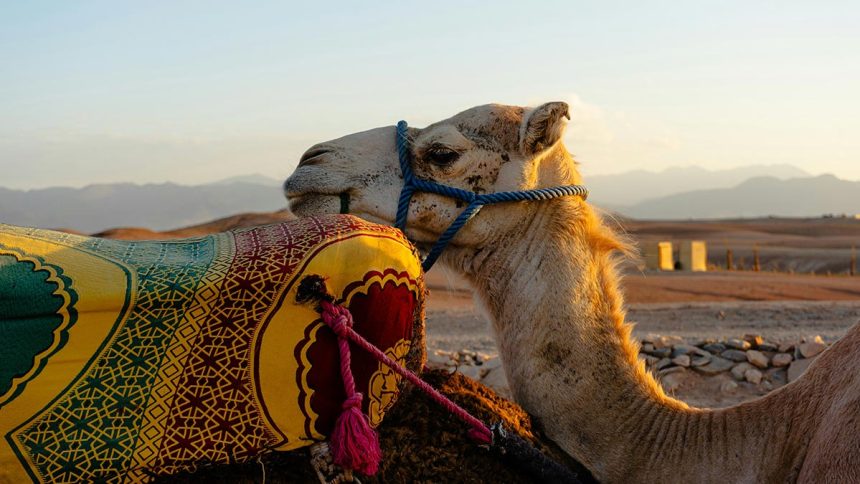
[{"x": 196, "y": 91}]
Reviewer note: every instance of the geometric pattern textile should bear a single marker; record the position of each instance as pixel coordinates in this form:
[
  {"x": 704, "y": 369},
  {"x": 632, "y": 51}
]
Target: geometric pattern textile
[{"x": 121, "y": 361}]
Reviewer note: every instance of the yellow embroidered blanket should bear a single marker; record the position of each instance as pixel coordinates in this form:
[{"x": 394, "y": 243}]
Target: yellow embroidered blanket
[{"x": 124, "y": 360}]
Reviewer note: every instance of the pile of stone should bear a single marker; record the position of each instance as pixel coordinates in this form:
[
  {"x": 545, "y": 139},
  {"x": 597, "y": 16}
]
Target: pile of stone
[{"x": 750, "y": 359}]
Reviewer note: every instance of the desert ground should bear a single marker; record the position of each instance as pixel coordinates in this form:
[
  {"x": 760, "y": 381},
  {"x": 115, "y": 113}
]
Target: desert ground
[
  {"x": 718, "y": 308},
  {"x": 802, "y": 299}
]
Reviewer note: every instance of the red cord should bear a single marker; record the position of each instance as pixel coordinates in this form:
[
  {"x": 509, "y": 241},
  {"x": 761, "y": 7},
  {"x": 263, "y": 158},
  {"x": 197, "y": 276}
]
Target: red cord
[
  {"x": 340, "y": 321},
  {"x": 354, "y": 443}
]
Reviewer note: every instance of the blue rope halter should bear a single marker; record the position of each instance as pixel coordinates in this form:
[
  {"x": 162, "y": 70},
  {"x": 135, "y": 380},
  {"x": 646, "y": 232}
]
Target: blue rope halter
[{"x": 412, "y": 184}]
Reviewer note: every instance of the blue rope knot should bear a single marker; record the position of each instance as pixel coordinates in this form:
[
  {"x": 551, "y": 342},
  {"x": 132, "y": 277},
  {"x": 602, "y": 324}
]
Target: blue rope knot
[{"x": 412, "y": 184}]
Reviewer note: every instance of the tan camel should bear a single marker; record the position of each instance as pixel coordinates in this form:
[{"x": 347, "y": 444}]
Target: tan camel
[{"x": 545, "y": 273}]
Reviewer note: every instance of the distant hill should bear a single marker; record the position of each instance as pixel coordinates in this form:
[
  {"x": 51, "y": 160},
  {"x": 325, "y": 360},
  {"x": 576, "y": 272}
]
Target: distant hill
[
  {"x": 255, "y": 178},
  {"x": 221, "y": 225},
  {"x": 630, "y": 188},
  {"x": 757, "y": 197},
  {"x": 161, "y": 208},
  {"x": 156, "y": 206}
]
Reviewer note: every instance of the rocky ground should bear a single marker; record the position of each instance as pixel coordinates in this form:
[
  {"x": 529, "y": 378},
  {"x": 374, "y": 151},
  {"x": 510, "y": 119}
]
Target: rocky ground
[
  {"x": 707, "y": 373},
  {"x": 708, "y": 354}
]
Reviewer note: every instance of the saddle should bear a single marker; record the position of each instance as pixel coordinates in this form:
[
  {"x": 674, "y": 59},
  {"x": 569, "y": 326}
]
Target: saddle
[{"x": 129, "y": 360}]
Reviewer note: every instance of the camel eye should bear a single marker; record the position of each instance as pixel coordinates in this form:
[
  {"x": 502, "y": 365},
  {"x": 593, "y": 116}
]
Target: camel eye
[{"x": 441, "y": 155}]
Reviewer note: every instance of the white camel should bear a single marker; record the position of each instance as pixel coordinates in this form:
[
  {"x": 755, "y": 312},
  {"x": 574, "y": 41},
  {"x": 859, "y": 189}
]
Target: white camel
[{"x": 545, "y": 273}]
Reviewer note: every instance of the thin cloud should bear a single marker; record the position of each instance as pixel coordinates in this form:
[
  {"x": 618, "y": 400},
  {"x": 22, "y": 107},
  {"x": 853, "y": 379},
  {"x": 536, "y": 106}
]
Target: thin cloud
[{"x": 605, "y": 140}]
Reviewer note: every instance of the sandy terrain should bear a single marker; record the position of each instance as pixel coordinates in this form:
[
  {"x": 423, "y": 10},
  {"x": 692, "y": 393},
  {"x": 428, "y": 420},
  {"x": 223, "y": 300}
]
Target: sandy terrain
[
  {"x": 220, "y": 225},
  {"x": 722, "y": 286}
]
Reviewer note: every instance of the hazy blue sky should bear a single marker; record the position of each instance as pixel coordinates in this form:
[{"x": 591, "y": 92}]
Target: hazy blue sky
[{"x": 102, "y": 91}]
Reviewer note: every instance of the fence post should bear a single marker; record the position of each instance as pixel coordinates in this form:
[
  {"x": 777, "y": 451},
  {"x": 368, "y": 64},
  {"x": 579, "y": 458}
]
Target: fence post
[
  {"x": 853, "y": 269},
  {"x": 729, "y": 265},
  {"x": 756, "y": 262}
]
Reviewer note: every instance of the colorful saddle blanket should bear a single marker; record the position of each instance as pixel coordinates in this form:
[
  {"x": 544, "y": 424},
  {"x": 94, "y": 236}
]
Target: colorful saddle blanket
[{"x": 120, "y": 361}]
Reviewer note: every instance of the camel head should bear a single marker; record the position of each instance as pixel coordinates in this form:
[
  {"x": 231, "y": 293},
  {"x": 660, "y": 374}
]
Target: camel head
[{"x": 485, "y": 149}]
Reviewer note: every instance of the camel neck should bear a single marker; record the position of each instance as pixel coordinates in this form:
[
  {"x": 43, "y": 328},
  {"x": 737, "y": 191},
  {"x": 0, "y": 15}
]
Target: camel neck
[{"x": 551, "y": 293}]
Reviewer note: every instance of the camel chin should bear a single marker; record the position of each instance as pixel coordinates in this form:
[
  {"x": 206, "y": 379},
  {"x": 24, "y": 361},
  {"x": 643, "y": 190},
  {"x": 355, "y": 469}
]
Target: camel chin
[
  {"x": 310, "y": 204},
  {"x": 314, "y": 189},
  {"x": 316, "y": 204}
]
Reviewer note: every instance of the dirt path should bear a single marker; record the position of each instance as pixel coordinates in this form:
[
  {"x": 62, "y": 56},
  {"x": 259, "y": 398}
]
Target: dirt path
[
  {"x": 778, "y": 321},
  {"x": 454, "y": 323},
  {"x": 653, "y": 287}
]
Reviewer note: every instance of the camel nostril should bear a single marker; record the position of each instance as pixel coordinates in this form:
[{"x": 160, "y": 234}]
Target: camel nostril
[{"x": 311, "y": 156}]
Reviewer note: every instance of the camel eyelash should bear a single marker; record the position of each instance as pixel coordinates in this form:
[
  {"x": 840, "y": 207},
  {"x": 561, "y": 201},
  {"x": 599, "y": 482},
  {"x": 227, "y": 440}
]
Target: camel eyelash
[{"x": 440, "y": 155}]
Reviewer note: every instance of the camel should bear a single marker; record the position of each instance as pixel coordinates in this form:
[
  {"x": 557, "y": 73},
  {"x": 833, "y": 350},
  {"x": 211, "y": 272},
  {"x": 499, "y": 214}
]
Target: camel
[{"x": 545, "y": 274}]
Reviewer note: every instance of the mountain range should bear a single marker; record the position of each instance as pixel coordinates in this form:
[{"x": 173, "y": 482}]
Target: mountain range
[
  {"x": 630, "y": 188},
  {"x": 160, "y": 206},
  {"x": 676, "y": 193},
  {"x": 756, "y": 197}
]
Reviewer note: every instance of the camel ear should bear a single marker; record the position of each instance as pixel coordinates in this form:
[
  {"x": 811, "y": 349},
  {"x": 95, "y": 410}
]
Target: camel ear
[{"x": 543, "y": 126}]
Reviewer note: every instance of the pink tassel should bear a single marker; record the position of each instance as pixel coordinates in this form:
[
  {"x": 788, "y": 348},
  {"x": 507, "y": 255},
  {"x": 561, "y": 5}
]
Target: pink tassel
[{"x": 354, "y": 443}]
